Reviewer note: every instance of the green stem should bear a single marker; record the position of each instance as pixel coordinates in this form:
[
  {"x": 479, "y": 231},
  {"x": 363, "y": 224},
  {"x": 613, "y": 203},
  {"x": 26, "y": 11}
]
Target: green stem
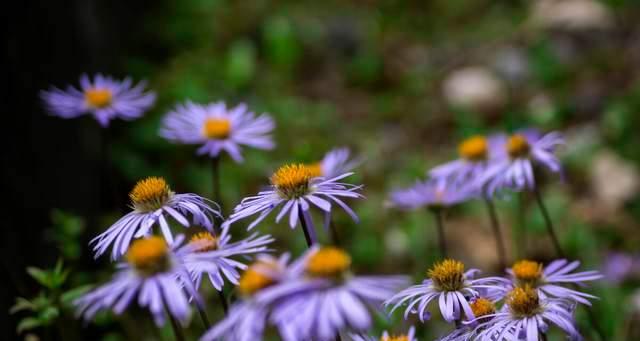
[
  {"x": 439, "y": 219},
  {"x": 547, "y": 219},
  {"x": 495, "y": 225}
]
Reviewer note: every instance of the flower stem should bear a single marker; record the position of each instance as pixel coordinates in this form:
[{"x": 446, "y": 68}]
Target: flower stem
[
  {"x": 442, "y": 244},
  {"x": 215, "y": 181},
  {"x": 223, "y": 302},
  {"x": 547, "y": 220},
  {"x": 177, "y": 330},
  {"x": 307, "y": 227},
  {"x": 495, "y": 225},
  {"x": 543, "y": 336},
  {"x": 334, "y": 232}
]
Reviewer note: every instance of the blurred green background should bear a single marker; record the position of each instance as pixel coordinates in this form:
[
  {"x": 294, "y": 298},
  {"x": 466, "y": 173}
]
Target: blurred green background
[{"x": 400, "y": 83}]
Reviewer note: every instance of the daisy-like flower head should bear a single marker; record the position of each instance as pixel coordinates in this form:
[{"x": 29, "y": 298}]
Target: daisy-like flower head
[
  {"x": 336, "y": 162},
  {"x": 153, "y": 202},
  {"x": 295, "y": 187},
  {"x": 435, "y": 193},
  {"x": 474, "y": 154},
  {"x": 248, "y": 317},
  {"x": 549, "y": 280},
  {"x": 525, "y": 316},
  {"x": 104, "y": 97},
  {"x": 513, "y": 168},
  {"x": 451, "y": 285},
  {"x": 329, "y": 299},
  {"x": 218, "y": 128},
  {"x": 483, "y": 308},
  {"x": 212, "y": 256},
  {"x": 409, "y": 336},
  {"x": 152, "y": 274}
]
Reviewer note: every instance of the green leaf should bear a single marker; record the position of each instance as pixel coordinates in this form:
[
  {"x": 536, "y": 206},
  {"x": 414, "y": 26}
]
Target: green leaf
[
  {"x": 22, "y": 304},
  {"x": 41, "y": 276},
  {"x": 69, "y": 296},
  {"x": 28, "y": 323},
  {"x": 49, "y": 314}
]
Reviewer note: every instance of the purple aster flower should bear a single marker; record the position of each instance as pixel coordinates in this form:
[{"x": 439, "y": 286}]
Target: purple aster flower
[
  {"x": 152, "y": 276},
  {"x": 153, "y": 202},
  {"x": 409, "y": 336},
  {"x": 296, "y": 189},
  {"x": 210, "y": 255},
  {"x": 513, "y": 168},
  {"x": 475, "y": 154},
  {"x": 549, "y": 280},
  {"x": 431, "y": 193},
  {"x": 104, "y": 97},
  {"x": 329, "y": 298},
  {"x": 248, "y": 317},
  {"x": 452, "y": 286},
  {"x": 336, "y": 162},
  {"x": 619, "y": 266},
  {"x": 526, "y": 316},
  {"x": 218, "y": 128}
]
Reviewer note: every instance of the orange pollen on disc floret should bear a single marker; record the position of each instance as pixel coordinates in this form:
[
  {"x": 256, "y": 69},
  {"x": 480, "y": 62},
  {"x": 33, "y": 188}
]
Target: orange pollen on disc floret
[
  {"x": 448, "y": 275},
  {"x": 292, "y": 181},
  {"x": 217, "y": 128},
  {"x": 148, "y": 255},
  {"x": 255, "y": 278},
  {"x": 517, "y": 146},
  {"x": 98, "y": 98},
  {"x": 315, "y": 169},
  {"x": 328, "y": 261},
  {"x": 482, "y": 307},
  {"x": 395, "y": 338},
  {"x": 150, "y": 194},
  {"x": 474, "y": 148},
  {"x": 523, "y": 301},
  {"x": 204, "y": 241},
  {"x": 527, "y": 271}
]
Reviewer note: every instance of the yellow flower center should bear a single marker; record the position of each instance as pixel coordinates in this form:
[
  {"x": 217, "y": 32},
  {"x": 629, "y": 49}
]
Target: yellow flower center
[
  {"x": 255, "y": 279},
  {"x": 150, "y": 194},
  {"x": 447, "y": 275},
  {"x": 527, "y": 272},
  {"x": 523, "y": 301},
  {"x": 517, "y": 146},
  {"x": 482, "y": 307},
  {"x": 148, "y": 256},
  {"x": 98, "y": 98},
  {"x": 217, "y": 128},
  {"x": 328, "y": 262},
  {"x": 292, "y": 181},
  {"x": 474, "y": 148},
  {"x": 395, "y": 338},
  {"x": 315, "y": 169},
  {"x": 204, "y": 241}
]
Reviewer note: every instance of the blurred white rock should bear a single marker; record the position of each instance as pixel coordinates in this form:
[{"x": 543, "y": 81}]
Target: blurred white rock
[
  {"x": 613, "y": 179},
  {"x": 573, "y": 15},
  {"x": 475, "y": 88}
]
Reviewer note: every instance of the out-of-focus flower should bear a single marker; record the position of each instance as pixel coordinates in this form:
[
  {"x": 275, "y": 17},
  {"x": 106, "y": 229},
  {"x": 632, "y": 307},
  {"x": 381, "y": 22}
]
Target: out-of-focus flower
[
  {"x": 104, "y": 97},
  {"x": 218, "y": 128},
  {"x": 336, "y": 162},
  {"x": 575, "y": 15},
  {"x": 525, "y": 316},
  {"x": 475, "y": 88},
  {"x": 152, "y": 276},
  {"x": 619, "y": 266},
  {"x": 474, "y": 153},
  {"x": 248, "y": 317},
  {"x": 430, "y": 193},
  {"x": 614, "y": 180},
  {"x": 153, "y": 202},
  {"x": 334, "y": 300},
  {"x": 520, "y": 153},
  {"x": 451, "y": 285},
  {"x": 210, "y": 255},
  {"x": 296, "y": 188},
  {"x": 409, "y": 336},
  {"x": 549, "y": 280}
]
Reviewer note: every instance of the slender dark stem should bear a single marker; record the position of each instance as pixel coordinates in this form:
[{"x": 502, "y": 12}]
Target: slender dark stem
[
  {"x": 520, "y": 232},
  {"x": 547, "y": 220},
  {"x": 442, "y": 244},
  {"x": 334, "y": 232},
  {"x": 495, "y": 225},
  {"x": 204, "y": 317},
  {"x": 223, "y": 302},
  {"x": 215, "y": 180},
  {"x": 306, "y": 228},
  {"x": 543, "y": 336},
  {"x": 338, "y": 338},
  {"x": 177, "y": 329}
]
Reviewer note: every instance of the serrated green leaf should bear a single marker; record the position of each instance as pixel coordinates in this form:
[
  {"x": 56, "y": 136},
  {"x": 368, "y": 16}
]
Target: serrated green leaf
[{"x": 28, "y": 323}]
